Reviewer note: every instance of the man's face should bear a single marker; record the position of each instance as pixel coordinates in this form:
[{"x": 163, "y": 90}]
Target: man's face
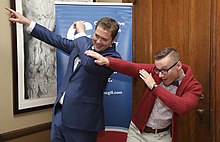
[
  {"x": 101, "y": 39},
  {"x": 168, "y": 69}
]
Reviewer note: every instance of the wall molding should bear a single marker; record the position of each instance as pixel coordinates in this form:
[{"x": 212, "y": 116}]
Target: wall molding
[{"x": 25, "y": 131}]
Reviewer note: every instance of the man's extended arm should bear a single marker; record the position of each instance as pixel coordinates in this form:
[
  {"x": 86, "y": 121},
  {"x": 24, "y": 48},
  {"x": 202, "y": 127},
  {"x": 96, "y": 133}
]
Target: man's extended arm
[
  {"x": 17, "y": 17},
  {"x": 43, "y": 34}
]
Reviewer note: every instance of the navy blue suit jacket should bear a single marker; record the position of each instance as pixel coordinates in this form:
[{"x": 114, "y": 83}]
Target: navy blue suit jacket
[{"x": 83, "y": 102}]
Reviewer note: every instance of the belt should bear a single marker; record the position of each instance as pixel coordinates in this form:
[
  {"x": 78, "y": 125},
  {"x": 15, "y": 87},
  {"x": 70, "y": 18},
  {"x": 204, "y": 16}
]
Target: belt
[{"x": 155, "y": 131}]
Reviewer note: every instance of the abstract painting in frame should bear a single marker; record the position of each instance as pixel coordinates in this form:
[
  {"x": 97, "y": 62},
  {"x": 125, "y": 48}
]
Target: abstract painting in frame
[{"x": 34, "y": 62}]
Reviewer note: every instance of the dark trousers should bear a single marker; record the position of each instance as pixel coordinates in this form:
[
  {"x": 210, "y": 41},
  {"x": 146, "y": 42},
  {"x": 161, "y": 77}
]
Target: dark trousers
[{"x": 60, "y": 133}]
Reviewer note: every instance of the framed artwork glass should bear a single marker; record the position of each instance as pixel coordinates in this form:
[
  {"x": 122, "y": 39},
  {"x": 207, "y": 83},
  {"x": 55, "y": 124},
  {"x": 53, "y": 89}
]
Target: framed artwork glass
[{"x": 34, "y": 62}]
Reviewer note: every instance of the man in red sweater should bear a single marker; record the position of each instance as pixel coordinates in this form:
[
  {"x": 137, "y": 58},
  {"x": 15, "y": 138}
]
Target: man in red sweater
[{"x": 170, "y": 90}]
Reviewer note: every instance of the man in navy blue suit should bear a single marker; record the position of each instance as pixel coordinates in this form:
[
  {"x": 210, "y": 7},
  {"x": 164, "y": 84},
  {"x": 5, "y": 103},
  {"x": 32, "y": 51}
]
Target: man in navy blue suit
[{"x": 78, "y": 110}]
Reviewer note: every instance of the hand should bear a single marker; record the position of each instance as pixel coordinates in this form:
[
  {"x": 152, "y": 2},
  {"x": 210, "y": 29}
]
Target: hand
[
  {"x": 100, "y": 60},
  {"x": 17, "y": 17},
  {"x": 79, "y": 26},
  {"x": 147, "y": 78}
]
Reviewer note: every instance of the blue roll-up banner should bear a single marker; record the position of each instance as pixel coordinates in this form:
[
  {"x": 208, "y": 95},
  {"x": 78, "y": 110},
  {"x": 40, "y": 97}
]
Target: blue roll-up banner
[{"x": 118, "y": 92}]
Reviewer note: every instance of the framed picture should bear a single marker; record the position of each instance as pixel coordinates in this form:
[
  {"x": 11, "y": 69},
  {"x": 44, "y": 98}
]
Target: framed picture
[{"x": 34, "y": 62}]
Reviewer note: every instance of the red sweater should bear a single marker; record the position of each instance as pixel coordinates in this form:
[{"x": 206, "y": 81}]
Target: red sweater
[{"x": 185, "y": 100}]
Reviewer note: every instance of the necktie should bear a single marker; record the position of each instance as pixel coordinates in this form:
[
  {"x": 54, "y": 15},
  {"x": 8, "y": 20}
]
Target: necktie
[{"x": 175, "y": 83}]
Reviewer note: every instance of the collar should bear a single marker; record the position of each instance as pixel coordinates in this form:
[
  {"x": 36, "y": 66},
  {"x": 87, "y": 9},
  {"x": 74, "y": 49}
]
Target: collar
[{"x": 179, "y": 80}]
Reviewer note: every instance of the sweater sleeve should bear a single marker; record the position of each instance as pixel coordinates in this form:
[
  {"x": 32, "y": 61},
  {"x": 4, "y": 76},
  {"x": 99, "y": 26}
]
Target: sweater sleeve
[
  {"x": 180, "y": 104},
  {"x": 128, "y": 68}
]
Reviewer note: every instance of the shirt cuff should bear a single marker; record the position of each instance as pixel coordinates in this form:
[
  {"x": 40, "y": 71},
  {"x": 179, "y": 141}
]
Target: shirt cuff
[{"x": 31, "y": 27}]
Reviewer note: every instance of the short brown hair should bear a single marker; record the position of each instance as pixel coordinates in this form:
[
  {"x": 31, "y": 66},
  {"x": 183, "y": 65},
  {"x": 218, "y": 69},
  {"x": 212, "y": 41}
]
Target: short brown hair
[
  {"x": 167, "y": 51},
  {"x": 110, "y": 25}
]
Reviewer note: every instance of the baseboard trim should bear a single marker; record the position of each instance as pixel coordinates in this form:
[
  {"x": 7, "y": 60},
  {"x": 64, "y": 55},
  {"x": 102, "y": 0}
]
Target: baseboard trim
[{"x": 23, "y": 132}]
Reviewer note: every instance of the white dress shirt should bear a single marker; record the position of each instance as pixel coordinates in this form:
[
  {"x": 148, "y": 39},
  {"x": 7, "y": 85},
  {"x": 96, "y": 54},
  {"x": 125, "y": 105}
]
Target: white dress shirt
[{"x": 161, "y": 115}]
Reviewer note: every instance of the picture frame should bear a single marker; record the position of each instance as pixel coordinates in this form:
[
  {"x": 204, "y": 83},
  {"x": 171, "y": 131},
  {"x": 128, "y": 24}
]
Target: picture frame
[{"x": 22, "y": 101}]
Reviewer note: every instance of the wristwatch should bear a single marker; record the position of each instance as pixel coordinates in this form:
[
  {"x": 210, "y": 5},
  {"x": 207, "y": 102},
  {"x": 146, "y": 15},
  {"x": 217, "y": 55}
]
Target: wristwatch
[{"x": 154, "y": 86}]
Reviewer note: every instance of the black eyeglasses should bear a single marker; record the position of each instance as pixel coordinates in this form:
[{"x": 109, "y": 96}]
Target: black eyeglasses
[{"x": 164, "y": 71}]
